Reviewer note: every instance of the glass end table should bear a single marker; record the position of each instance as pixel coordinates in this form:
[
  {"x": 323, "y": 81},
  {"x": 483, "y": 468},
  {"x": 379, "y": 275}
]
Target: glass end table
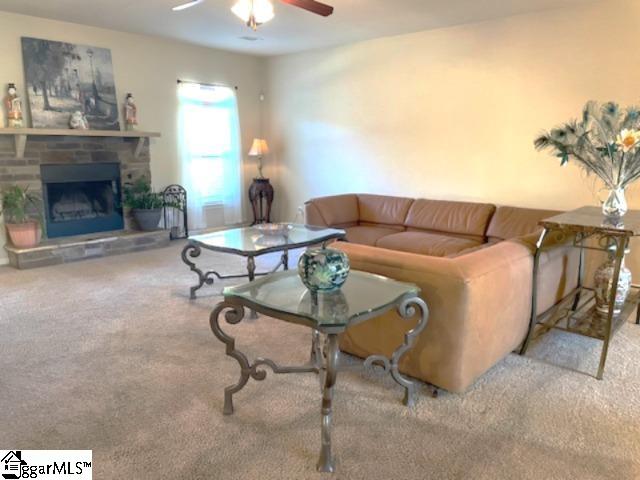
[
  {"x": 283, "y": 296},
  {"x": 249, "y": 242}
]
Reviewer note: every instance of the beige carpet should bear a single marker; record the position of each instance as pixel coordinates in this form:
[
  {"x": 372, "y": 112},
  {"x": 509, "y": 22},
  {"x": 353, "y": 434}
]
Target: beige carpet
[{"x": 110, "y": 355}]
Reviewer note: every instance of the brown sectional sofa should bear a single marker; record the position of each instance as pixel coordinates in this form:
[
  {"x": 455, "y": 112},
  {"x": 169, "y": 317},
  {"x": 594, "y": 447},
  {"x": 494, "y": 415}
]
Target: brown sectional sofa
[{"x": 474, "y": 264}]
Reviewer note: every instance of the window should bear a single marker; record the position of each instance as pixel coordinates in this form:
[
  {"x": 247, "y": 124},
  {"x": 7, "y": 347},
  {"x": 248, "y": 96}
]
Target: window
[{"x": 210, "y": 151}]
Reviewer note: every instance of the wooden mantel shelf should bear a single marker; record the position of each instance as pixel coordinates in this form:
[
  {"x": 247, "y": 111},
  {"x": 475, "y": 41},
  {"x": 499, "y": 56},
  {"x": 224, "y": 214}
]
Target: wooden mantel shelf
[{"x": 20, "y": 135}]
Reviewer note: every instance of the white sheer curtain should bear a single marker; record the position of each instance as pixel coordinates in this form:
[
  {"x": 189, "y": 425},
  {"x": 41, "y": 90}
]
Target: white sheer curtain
[{"x": 210, "y": 156}]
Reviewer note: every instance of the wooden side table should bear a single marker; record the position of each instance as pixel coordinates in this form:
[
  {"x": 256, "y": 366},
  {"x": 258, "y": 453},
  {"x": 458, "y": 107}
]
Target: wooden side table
[
  {"x": 576, "y": 313},
  {"x": 261, "y": 198}
]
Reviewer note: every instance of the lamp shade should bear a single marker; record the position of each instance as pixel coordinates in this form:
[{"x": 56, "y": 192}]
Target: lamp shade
[{"x": 259, "y": 148}]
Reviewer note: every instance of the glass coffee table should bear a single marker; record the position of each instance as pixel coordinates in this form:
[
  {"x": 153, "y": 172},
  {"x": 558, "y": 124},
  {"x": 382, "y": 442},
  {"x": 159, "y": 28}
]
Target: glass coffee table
[
  {"x": 283, "y": 296},
  {"x": 249, "y": 242}
]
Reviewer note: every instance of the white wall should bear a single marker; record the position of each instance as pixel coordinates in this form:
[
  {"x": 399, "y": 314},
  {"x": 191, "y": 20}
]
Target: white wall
[
  {"x": 451, "y": 113},
  {"x": 149, "y": 68}
]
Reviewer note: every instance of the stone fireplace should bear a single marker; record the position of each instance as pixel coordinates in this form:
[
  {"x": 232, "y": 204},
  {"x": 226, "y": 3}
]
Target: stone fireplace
[{"x": 79, "y": 179}]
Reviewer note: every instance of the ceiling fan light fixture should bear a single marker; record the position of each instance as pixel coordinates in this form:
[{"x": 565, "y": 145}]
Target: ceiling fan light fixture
[{"x": 253, "y": 12}]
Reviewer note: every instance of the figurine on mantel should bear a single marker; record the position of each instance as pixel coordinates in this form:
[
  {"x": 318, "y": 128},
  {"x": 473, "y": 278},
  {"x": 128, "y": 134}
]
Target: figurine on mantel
[
  {"x": 130, "y": 112},
  {"x": 78, "y": 121},
  {"x": 13, "y": 104}
]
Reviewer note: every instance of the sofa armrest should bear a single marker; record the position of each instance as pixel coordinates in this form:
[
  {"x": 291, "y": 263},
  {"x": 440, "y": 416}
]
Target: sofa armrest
[
  {"x": 465, "y": 269},
  {"x": 559, "y": 267},
  {"x": 312, "y": 215},
  {"x": 479, "y": 306},
  {"x": 552, "y": 240}
]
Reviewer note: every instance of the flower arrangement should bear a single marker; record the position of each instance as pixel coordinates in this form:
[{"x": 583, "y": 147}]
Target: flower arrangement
[{"x": 604, "y": 142}]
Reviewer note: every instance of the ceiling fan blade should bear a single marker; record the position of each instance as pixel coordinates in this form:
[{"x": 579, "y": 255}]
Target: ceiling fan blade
[
  {"x": 184, "y": 6},
  {"x": 311, "y": 6}
]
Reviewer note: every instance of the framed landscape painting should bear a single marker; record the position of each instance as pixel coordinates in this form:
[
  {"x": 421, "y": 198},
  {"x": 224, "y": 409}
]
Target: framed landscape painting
[{"x": 63, "y": 78}]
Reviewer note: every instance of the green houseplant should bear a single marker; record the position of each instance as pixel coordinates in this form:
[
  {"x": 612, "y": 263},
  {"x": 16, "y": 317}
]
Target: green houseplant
[
  {"x": 16, "y": 205},
  {"x": 145, "y": 204}
]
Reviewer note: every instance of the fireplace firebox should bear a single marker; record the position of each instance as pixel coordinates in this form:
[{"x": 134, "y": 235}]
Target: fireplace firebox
[{"x": 82, "y": 198}]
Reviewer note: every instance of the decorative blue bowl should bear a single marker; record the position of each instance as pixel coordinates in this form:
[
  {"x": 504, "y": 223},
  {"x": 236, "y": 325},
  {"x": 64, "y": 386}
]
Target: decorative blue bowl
[{"x": 323, "y": 269}]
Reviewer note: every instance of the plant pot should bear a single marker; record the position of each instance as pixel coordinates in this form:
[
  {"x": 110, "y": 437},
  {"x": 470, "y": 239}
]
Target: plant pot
[
  {"x": 24, "y": 235},
  {"x": 147, "y": 220}
]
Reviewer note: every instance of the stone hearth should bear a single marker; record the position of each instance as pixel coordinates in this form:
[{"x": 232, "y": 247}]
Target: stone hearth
[{"x": 71, "y": 249}]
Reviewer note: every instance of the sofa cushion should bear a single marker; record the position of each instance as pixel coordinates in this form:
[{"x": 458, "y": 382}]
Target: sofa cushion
[
  {"x": 451, "y": 217},
  {"x": 367, "y": 235},
  {"x": 512, "y": 222},
  {"x": 333, "y": 211},
  {"x": 426, "y": 243},
  {"x": 380, "y": 209}
]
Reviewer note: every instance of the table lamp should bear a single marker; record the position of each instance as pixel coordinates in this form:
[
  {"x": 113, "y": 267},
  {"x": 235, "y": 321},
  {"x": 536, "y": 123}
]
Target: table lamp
[{"x": 259, "y": 148}]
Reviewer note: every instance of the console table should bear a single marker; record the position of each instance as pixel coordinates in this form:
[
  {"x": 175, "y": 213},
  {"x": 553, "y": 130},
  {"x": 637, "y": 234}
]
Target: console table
[
  {"x": 587, "y": 229},
  {"x": 283, "y": 296}
]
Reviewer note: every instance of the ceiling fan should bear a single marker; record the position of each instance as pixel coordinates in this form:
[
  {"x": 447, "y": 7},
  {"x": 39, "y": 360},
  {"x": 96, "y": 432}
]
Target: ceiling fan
[{"x": 257, "y": 12}]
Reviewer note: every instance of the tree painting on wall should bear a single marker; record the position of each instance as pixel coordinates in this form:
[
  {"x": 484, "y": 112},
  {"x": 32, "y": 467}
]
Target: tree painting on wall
[{"x": 63, "y": 78}]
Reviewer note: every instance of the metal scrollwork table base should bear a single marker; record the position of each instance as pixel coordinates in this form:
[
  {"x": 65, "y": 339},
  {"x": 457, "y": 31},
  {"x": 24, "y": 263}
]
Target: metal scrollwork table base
[
  {"x": 193, "y": 251},
  {"x": 325, "y": 353}
]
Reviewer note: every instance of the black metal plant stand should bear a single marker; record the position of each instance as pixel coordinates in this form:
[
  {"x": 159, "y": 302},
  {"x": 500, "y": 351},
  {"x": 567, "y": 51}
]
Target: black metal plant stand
[{"x": 175, "y": 211}]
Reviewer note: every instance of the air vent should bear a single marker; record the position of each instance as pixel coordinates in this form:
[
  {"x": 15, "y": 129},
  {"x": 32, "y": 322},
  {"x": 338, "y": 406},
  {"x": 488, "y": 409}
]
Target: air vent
[{"x": 250, "y": 39}]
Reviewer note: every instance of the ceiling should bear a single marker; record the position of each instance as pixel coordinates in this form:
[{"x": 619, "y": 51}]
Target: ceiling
[{"x": 292, "y": 30}]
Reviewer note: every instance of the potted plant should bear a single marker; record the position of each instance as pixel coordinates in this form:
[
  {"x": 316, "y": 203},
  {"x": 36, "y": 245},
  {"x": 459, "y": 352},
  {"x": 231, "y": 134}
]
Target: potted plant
[
  {"x": 145, "y": 204},
  {"x": 16, "y": 204}
]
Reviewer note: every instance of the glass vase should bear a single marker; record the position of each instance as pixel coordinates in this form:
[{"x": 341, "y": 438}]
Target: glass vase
[
  {"x": 603, "y": 283},
  {"x": 615, "y": 206}
]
